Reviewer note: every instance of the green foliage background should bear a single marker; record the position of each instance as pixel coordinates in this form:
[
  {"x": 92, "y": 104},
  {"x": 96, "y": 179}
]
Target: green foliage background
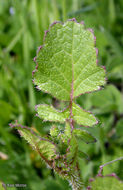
[{"x": 22, "y": 26}]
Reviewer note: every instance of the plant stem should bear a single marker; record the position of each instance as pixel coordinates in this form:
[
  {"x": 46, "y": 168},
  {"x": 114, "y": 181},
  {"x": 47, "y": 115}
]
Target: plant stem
[{"x": 102, "y": 166}]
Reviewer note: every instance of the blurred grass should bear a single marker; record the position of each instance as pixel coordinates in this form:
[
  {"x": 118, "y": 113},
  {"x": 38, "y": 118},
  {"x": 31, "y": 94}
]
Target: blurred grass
[{"x": 22, "y": 26}]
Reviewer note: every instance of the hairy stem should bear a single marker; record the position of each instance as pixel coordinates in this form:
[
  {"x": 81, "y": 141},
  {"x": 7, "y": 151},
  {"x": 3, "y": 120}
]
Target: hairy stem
[{"x": 102, "y": 166}]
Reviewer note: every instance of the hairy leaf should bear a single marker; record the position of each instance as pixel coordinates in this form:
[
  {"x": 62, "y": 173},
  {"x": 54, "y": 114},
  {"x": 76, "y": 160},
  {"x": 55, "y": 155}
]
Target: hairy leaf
[
  {"x": 81, "y": 116},
  {"x": 54, "y": 131},
  {"x": 49, "y": 113},
  {"x": 67, "y": 62},
  {"x": 72, "y": 149},
  {"x": 47, "y": 149},
  {"x": 108, "y": 182},
  {"x": 84, "y": 135},
  {"x": 67, "y": 130},
  {"x": 44, "y": 147},
  {"x": 83, "y": 155}
]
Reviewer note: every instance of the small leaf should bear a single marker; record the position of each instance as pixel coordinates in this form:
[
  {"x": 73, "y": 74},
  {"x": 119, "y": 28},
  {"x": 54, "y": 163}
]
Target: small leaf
[
  {"x": 72, "y": 149},
  {"x": 106, "y": 182},
  {"x": 43, "y": 146},
  {"x": 84, "y": 135},
  {"x": 83, "y": 155},
  {"x": 67, "y": 130},
  {"x": 49, "y": 113},
  {"x": 54, "y": 131},
  {"x": 83, "y": 117},
  {"x": 47, "y": 149}
]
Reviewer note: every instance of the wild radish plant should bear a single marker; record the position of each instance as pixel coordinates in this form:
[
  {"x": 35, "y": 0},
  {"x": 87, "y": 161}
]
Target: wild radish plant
[{"x": 66, "y": 67}]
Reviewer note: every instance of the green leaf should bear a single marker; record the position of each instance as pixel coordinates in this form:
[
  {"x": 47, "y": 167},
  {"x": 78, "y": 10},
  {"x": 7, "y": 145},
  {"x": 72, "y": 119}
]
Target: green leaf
[
  {"x": 84, "y": 135},
  {"x": 81, "y": 116},
  {"x": 67, "y": 130},
  {"x": 107, "y": 182},
  {"x": 54, "y": 131},
  {"x": 44, "y": 147},
  {"x": 47, "y": 149},
  {"x": 49, "y": 113},
  {"x": 67, "y": 62},
  {"x": 83, "y": 155},
  {"x": 72, "y": 149}
]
